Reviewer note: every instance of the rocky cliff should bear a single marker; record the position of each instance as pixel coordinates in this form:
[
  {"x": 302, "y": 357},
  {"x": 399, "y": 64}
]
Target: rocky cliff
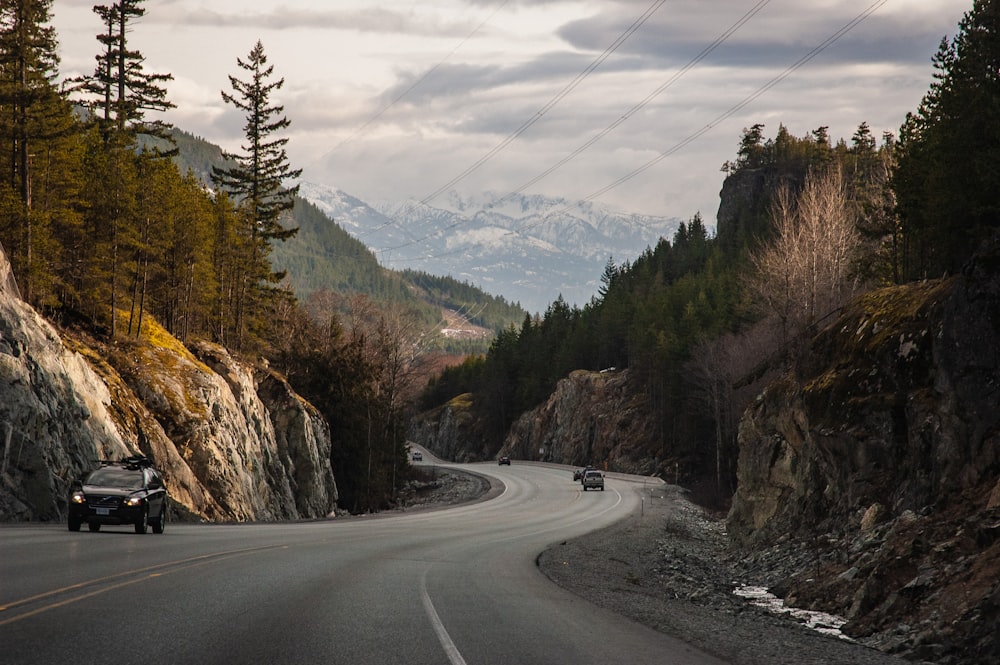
[
  {"x": 451, "y": 431},
  {"x": 590, "y": 418},
  {"x": 234, "y": 442},
  {"x": 881, "y": 457}
]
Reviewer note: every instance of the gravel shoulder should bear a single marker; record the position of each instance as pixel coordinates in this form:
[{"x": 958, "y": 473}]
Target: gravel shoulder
[{"x": 669, "y": 568}]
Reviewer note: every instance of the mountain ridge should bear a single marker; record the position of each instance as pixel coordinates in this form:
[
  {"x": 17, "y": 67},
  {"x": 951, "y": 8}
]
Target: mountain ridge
[
  {"x": 529, "y": 249},
  {"x": 525, "y": 249}
]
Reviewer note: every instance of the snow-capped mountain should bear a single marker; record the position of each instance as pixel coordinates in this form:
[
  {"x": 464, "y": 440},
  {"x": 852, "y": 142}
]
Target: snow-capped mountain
[{"x": 528, "y": 249}]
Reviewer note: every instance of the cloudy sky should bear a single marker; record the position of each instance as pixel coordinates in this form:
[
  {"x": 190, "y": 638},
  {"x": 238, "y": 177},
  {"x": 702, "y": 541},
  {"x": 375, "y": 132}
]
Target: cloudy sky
[{"x": 405, "y": 99}]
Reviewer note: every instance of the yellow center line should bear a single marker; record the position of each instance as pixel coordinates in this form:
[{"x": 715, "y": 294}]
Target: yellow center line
[{"x": 180, "y": 564}]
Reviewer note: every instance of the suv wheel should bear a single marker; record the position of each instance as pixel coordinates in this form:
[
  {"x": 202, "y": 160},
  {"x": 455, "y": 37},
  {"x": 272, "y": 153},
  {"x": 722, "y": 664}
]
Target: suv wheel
[
  {"x": 74, "y": 524},
  {"x": 142, "y": 524},
  {"x": 161, "y": 521}
]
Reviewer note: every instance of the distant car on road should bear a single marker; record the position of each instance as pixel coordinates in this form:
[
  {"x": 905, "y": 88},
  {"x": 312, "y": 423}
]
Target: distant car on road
[
  {"x": 418, "y": 456},
  {"x": 593, "y": 479},
  {"x": 504, "y": 460},
  {"x": 128, "y": 491},
  {"x": 578, "y": 473}
]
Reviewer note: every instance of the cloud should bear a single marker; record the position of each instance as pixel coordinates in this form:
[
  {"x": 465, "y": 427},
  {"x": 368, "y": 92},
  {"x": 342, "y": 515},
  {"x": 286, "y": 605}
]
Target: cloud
[
  {"x": 774, "y": 37},
  {"x": 369, "y": 20},
  {"x": 462, "y": 80}
]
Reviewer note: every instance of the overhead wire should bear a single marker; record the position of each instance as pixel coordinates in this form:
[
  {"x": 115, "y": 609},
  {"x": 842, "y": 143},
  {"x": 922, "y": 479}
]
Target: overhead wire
[
  {"x": 721, "y": 39},
  {"x": 746, "y": 101},
  {"x": 875, "y": 6},
  {"x": 705, "y": 52},
  {"x": 568, "y": 88}
]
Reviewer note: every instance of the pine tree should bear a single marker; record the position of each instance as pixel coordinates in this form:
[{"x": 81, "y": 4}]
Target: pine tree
[
  {"x": 112, "y": 233},
  {"x": 154, "y": 231},
  {"x": 228, "y": 248},
  {"x": 257, "y": 182},
  {"x": 258, "y": 179},
  {"x": 185, "y": 293},
  {"x": 948, "y": 171},
  {"x": 35, "y": 120},
  {"x": 751, "y": 154},
  {"x": 121, "y": 92}
]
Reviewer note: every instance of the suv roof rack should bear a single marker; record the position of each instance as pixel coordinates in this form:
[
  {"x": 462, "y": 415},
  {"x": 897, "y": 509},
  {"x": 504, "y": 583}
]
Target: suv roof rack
[{"x": 131, "y": 462}]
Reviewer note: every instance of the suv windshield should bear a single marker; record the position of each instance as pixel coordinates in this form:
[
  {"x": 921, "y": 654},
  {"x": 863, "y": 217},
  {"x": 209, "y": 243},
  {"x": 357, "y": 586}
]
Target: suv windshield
[{"x": 111, "y": 476}]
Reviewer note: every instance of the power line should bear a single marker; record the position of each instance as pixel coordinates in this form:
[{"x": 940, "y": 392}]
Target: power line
[
  {"x": 798, "y": 64},
  {"x": 638, "y": 107},
  {"x": 875, "y": 6},
  {"x": 579, "y": 78},
  {"x": 705, "y": 52}
]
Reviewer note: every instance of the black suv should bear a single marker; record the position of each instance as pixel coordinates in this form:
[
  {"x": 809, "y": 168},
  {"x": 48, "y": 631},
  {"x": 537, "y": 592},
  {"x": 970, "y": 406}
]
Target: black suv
[{"x": 128, "y": 491}]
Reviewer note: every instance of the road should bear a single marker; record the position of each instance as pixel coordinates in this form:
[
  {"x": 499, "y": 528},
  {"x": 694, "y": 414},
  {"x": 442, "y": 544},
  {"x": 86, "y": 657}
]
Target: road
[{"x": 449, "y": 587}]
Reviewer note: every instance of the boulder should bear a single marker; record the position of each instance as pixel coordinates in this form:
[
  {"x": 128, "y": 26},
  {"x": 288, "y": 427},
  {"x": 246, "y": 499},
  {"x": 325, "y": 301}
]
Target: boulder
[{"x": 590, "y": 418}]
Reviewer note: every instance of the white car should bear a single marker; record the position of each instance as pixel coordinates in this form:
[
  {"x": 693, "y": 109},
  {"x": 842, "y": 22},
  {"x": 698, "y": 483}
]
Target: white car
[{"x": 593, "y": 479}]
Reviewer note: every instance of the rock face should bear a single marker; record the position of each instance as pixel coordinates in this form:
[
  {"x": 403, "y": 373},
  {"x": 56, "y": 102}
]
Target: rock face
[
  {"x": 592, "y": 417},
  {"x": 54, "y": 418},
  {"x": 451, "y": 432},
  {"x": 741, "y": 203},
  {"x": 882, "y": 456},
  {"x": 233, "y": 442}
]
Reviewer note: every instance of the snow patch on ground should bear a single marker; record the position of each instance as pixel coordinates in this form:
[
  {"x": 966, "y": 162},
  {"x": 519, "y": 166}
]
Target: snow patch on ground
[{"x": 828, "y": 624}]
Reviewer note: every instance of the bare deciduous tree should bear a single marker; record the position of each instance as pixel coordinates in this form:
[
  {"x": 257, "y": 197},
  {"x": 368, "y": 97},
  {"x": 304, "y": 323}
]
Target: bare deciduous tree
[
  {"x": 387, "y": 339},
  {"x": 805, "y": 272}
]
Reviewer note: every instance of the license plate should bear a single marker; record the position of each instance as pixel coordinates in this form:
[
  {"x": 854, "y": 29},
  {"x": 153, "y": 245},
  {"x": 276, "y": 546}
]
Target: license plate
[{"x": 103, "y": 511}]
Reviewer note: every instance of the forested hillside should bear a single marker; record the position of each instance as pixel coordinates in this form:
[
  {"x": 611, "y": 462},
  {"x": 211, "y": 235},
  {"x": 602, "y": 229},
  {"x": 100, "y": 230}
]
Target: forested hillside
[
  {"x": 805, "y": 223},
  {"x": 323, "y": 258}
]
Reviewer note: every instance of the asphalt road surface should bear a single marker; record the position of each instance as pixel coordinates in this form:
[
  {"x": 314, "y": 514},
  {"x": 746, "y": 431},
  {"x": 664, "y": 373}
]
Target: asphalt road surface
[{"x": 449, "y": 587}]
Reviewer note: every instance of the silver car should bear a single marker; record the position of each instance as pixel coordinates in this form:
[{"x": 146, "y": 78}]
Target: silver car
[{"x": 593, "y": 479}]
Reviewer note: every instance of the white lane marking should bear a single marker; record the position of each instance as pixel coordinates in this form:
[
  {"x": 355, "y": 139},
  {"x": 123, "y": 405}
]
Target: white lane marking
[{"x": 454, "y": 656}]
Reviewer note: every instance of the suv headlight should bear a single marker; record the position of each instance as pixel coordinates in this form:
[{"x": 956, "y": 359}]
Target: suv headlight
[
  {"x": 133, "y": 501},
  {"x": 78, "y": 497}
]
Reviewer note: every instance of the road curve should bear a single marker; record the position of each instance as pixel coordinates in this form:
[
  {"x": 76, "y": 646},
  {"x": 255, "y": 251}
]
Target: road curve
[{"x": 449, "y": 587}]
